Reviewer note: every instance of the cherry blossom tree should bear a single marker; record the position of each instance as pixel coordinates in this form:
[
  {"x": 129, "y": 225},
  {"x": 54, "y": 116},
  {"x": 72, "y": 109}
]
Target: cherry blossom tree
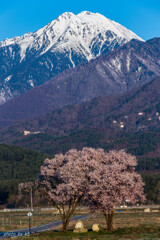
[
  {"x": 114, "y": 182},
  {"x": 92, "y": 176},
  {"x": 64, "y": 180}
]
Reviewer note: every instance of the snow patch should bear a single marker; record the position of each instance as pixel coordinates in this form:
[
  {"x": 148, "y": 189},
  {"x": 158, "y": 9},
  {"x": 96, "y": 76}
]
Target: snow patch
[
  {"x": 2, "y": 97},
  {"x": 116, "y": 64},
  {"x": 31, "y": 82},
  {"x": 128, "y": 62},
  {"x": 139, "y": 69},
  {"x": 7, "y": 79},
  {"x": 70, "y": 57},
  {"x": 5, "y": 94}
]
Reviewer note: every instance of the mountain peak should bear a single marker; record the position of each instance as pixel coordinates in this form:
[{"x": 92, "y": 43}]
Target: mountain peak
[
  {"x": 65, "y": 15},
  {"x": 95, "y": 23},
  {"x": 85, "y": 13},
  {"x": 63, "y": 43}
]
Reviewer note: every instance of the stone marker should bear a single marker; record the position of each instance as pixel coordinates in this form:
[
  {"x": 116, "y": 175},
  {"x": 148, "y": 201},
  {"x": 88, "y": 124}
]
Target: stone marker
[
  {"x": 79, "y": 227},
  {"x": 95, "y": 227},
  {"x": 147, "y": 210},
  {"x": 155, "y": 210}
]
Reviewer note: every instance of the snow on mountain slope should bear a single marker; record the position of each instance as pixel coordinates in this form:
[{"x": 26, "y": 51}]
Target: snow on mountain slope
[
  {"x": 34, "y": 58},
  {"x": 127, "y": 67}
]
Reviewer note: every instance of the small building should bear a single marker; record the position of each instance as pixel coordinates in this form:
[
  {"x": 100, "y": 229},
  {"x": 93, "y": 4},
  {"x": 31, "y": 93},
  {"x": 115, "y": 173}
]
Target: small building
[
  {"x": 140, "y": 113},
  {"x": 26, "y": 133}
]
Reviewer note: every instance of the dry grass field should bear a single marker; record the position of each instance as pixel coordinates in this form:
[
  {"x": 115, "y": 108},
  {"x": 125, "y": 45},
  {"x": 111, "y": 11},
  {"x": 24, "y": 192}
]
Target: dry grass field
[
  {"x": 19, "y": 220},
  {"x": 128, "y": 224}
]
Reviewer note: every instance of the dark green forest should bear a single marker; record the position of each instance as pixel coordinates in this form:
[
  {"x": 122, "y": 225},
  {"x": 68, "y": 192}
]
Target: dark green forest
[{"x": 17, "y": 165}]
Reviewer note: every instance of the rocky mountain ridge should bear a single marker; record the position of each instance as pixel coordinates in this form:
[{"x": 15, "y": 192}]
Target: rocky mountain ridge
[{"x": 127, "y": 67}]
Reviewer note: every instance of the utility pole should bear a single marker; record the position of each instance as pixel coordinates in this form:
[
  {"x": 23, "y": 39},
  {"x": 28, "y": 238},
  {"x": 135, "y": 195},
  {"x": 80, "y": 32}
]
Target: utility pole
[{"x": 31, "y": 193}]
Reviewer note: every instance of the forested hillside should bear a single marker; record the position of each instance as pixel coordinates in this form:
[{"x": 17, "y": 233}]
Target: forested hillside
[{"x": 17, "y": 165}]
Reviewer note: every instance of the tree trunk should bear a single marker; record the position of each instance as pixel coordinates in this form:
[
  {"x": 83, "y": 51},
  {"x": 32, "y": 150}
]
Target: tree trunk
[
  {"x": 66, "y": 215},
  {"x": 65, "y": 226},
  {"x": 109, "y": 220},
  {"x": 66, "y": 219}
]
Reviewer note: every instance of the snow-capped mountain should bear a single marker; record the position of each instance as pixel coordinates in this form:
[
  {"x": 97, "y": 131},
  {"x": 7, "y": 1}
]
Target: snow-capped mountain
[{"x": 35, "y": 58}]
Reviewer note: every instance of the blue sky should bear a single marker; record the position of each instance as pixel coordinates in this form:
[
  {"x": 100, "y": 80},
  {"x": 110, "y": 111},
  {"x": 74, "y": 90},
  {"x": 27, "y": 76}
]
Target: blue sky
[{"x": 20, "y": 16}]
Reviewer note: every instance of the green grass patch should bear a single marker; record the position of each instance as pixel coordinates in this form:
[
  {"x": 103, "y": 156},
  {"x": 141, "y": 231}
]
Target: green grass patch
[{"x": 140, "y": 232}]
